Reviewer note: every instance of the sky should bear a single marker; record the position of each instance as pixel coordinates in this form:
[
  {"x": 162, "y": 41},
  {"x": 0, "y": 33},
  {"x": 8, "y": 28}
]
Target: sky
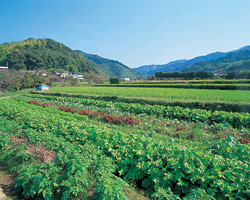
[{"x": 135, "y": 32}]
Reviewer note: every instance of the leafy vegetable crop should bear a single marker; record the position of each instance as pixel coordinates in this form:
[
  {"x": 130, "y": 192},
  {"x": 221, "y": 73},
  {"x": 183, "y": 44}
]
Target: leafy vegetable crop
[{"x": 163, "y": 168}]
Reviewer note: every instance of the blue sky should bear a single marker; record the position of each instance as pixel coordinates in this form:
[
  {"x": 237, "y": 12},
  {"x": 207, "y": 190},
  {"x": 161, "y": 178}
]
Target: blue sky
[{"x": 135, "y": 32}]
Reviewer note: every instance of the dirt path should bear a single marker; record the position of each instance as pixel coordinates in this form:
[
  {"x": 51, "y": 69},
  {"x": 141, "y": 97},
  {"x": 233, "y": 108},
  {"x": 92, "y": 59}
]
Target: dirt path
[{"x": 7, "y": 186}]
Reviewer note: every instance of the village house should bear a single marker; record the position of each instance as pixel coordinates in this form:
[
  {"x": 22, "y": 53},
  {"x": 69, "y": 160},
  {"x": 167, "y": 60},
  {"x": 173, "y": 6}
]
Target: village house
[
  {"x": 79, "y": 76},
  {"x": 60, "y": 74},
  {"x": 3, "y": 67},
  {"x": 70, "y": 76},
  {"x": 126, "y": 79},
  {"x": 219, "y": 73}
]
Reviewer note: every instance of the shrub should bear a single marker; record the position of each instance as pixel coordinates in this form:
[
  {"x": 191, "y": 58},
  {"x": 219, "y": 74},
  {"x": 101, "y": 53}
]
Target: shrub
[{"x": 114, "y": 81}]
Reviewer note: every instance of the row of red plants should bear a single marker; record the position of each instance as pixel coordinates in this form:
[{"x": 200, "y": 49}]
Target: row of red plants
[
  {"x": 106, "y": 117},
  {"x": 244, "y": 140}
]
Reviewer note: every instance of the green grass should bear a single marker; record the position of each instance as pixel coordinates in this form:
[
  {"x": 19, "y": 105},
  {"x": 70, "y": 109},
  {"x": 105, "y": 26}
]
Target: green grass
[{"x": 167, "y": 94}]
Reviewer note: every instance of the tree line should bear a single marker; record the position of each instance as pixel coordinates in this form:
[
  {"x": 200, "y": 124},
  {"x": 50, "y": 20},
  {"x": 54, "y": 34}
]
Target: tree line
[
  {"x": 238, "y": 75},
  {"x": 199, "y": 75},
  {"x": 183, "y": 75},
  {"x": 13, "y": 80}
]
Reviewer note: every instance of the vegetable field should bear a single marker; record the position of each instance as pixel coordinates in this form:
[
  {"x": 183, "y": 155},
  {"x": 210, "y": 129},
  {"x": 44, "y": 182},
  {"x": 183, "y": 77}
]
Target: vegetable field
[{"x": 69, "y": 147}]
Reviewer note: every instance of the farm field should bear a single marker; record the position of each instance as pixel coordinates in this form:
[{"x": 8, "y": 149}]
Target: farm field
[
  {"x": 181, "y": 85},
  {"x": 212, "y": 81},
  {"x": 125, "y": 100},
  {"x": 83, "y": 148},
  {"x": 166, "y": 94}
]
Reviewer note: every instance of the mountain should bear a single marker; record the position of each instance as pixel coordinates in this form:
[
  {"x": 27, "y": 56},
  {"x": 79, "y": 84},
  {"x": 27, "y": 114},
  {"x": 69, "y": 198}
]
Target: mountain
[
  {"x": 240, "y": 49},
  {"x": 43, "y": 53},
  {"x": 48, "y": 54},
  {"x": 177, "y": 65},
  {"x": 234, "y": 60},
  {"x": 195, "y": 64},
  {"x": 151, "y": 69},
  {"x": 110, "y": 68}
]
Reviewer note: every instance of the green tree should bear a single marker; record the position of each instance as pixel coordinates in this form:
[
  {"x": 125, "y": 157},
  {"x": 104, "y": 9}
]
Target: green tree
[{"x": 114, "y": 81}]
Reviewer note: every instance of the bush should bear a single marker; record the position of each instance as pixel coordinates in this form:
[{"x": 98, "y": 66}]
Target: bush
[
  {"x": 74, "y": 82},
  {"x": 114, "y": 81}
]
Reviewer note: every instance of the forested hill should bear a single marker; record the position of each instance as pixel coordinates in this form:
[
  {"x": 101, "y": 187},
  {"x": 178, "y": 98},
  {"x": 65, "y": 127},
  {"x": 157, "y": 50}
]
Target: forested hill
[
  {"x": 233, "y": 60},
  {"x": 178, "y": 65},
  {"x": 43, "y": 53},
  {"x": 238, "y": 60},
  {"x": 108, "y": 67}
]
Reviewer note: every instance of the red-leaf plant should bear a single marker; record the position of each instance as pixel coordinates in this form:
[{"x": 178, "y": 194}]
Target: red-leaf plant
[
  {"x": 244, "y": 140},
  {"x": 106, "y": 117}
]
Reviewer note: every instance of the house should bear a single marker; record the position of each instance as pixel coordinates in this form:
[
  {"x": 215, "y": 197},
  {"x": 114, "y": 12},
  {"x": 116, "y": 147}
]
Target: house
[
  {"x": 126, "y": 79},
  {"x": 63, "y": 75},
  {"x": 219, "y": 73},
  {"x": 70, "y": 76},
  {"x": 79, "y": 76},
  {"x": 4, "y": 67},
  {"x": 60, "y": 74}
]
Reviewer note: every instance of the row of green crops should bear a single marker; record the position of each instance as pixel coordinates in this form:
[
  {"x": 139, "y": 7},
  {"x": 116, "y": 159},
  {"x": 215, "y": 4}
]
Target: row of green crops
[
  {"x": 158, "y": 166},
  {"x": 149, "y": 125},
  {"x": 73, "y": 174},
  {"x": 168, "y": 94},
  {"x": 229, "y": 107},
  {"x": 236, "y": 120},
  {"x": 188, "y": 86}
]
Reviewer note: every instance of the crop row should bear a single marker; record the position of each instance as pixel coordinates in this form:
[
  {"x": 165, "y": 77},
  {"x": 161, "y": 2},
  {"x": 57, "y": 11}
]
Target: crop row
[
  {"x": 155, "y": 165},
  {"x": 70, "y": 175},
  {"x": 229, "y": 107},
  {"x": 236, "y": 120},
  {"x": 152, "y": 125},
  {"x": 106, "y": 117},
  {"x": 168, "y": 94},
  {"x": 188, "y": 86}
]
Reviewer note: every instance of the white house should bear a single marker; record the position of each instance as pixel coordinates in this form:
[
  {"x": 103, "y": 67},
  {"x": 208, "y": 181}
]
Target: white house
[
  {"x": 126, "y": 79},
  {"x": 3, "y": 67},
  {"x": 71, "y": 76},
  {"x": 79, "y": 76}
]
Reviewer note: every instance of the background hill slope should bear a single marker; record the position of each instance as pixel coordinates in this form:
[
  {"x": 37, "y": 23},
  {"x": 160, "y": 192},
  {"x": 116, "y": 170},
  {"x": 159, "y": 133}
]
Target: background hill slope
[
  {"x": 108, "y": 67},
  {"x": 232, "y": 60},
  {"x": 48, "y": 54},
  {"x": 43, "y": 53},
  {"x": 236, "y": 60}
]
